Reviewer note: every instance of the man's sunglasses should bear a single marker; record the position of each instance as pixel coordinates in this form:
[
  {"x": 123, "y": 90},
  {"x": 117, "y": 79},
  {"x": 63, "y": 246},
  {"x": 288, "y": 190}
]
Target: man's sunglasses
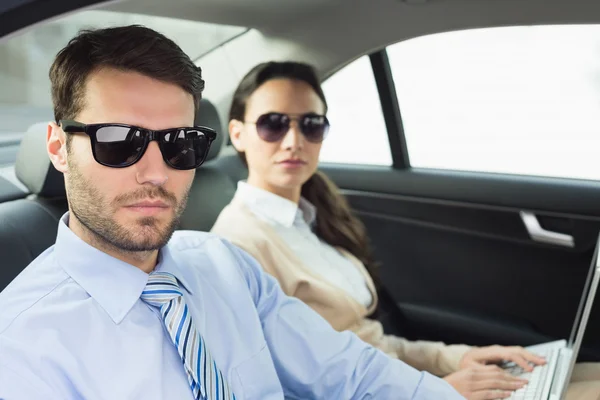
[
  {"x": 119, "y": 145},
  {"x": 272, "y": 127}
]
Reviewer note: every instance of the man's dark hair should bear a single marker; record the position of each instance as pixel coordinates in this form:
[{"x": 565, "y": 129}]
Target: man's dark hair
[{"x": 129, "y": 48}]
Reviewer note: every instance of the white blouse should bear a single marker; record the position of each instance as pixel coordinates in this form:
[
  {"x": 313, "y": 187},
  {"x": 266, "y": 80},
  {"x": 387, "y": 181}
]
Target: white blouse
[{"x": 295, "y": 223}]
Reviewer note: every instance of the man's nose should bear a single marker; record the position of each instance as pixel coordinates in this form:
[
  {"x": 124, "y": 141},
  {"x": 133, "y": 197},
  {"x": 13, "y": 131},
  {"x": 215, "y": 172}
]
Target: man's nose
[{"x": 152, "y": 167}]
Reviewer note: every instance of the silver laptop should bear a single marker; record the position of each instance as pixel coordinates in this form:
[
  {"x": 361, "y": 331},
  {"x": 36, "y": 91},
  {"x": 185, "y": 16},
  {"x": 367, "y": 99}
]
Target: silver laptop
[{"x": 550, "y": 382}]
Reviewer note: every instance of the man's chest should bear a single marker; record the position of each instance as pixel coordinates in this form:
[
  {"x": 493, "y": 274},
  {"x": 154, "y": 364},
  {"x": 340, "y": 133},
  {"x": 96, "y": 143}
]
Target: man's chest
[{"x": 94, "y": 358}]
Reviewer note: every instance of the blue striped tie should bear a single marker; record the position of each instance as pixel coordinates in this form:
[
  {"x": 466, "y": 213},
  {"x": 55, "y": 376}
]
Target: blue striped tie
[{"x": 206, "y": 380}]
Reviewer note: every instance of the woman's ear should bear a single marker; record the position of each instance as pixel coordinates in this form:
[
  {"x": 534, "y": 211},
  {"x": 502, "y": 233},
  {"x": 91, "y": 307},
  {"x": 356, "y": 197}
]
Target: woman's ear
[
  {"x": 56, "y": 145},
  {"x": 236, "y": 133}
]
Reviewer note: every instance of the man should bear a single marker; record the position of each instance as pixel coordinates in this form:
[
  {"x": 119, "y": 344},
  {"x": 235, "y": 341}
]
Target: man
[{"x": 121, "y": 307}]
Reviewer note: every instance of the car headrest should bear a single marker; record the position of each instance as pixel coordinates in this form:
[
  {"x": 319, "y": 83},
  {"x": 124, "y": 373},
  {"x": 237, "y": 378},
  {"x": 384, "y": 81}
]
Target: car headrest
[
  {"x": 33, "y": 167},
  {"x": 208, "y": 116}
]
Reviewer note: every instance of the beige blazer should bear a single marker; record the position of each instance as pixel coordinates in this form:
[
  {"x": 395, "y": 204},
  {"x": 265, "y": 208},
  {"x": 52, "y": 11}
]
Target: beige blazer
[{"x": 239, "y": 225}]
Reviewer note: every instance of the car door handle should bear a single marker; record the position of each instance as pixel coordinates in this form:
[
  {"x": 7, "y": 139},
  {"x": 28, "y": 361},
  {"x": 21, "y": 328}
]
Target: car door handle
[{"x": 542, "y": 235}]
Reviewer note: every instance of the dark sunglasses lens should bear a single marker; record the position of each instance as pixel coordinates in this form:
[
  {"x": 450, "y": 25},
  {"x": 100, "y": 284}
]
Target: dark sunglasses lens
[
  {"x": 185, "y": 148},
  {"x": 272, "y": 127},
  {"x": 118, "y": 146},
  {"x": 314, "y": 127}
]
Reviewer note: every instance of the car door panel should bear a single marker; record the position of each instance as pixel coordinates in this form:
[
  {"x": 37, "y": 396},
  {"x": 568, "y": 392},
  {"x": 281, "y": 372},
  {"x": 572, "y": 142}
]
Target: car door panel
[{"x": 461, "y": 265}]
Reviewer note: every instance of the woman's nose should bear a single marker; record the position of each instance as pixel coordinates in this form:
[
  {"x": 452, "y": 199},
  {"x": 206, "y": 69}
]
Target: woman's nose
[{"x": 293, "y": 139}]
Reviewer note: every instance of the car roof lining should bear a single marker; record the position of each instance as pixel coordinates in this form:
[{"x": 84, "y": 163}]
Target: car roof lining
[{"x": 336, "y": 32}]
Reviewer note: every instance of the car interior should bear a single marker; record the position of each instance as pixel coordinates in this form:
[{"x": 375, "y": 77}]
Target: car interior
[{"x": 460, "y": 260}]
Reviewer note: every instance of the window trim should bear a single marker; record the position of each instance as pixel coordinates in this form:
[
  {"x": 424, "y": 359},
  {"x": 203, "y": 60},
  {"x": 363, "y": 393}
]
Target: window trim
[
  {"x": 198, "y": 59},
  {"x": 25, "y": 13},
  {"x": 390, "y": 107}
]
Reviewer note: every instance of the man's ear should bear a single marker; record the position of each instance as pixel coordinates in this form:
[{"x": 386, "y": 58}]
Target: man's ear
[
  {"x": 56, "y": 145},
  {"x": 236, "y": 133}
]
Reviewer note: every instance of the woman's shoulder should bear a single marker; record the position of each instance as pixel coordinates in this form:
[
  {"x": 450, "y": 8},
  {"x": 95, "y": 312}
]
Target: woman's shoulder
[
  {"x": 238, "y": 225},
  {"x": 235, "y": 209},
  {"x": 236, "y": 222}
]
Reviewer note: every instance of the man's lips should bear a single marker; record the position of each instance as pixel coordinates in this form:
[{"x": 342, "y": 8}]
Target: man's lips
[
  {"x": 150, "y": 203},
  {"x": 148, "y": 207}
]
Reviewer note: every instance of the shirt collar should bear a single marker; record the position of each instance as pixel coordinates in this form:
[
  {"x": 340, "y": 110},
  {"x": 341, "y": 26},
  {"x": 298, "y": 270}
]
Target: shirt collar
[
  {"x": 114, "y": 284},
  {"x": 309, "y": 211},
  {"x": 168, "y": 261},
  {"x": 275, "y": 208}
]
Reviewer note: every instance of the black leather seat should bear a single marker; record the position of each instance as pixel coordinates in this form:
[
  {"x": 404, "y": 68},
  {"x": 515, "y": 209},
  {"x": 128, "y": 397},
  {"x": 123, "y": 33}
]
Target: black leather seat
[
  {"x": 9, "y": 191},
  {"x": 212, "y": 189},
  {"x": 28, "y": 226}
]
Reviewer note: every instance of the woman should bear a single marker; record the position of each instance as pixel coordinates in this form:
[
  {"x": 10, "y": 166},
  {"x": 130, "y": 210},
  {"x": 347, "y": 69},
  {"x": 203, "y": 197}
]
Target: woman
[{"x": 292, "y": 219}]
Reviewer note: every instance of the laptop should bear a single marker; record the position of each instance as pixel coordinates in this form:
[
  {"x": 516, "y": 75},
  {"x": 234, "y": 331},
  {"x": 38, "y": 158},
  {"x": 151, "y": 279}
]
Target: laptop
[{"x": 550, "y": 381}]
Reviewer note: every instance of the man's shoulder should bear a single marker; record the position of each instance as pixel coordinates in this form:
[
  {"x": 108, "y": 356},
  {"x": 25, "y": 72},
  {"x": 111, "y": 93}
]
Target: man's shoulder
[
  {"x": 203, "y": 249},
  {"x": 34, "y": 284},
  {"x": 196, "y": 241},
  {"x": 209, "y": 253}
]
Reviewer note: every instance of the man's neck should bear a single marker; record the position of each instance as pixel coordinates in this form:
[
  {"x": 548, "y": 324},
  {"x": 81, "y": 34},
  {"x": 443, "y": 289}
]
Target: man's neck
[{"x": 144, "y": 260}]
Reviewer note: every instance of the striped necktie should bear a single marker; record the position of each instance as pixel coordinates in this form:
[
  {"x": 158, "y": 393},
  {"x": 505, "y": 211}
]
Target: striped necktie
[{"x": 206, "y": 380}]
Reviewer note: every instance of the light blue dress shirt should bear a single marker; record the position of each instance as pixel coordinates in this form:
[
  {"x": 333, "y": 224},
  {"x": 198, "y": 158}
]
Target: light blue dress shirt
[{"x": 72, "y": 326}]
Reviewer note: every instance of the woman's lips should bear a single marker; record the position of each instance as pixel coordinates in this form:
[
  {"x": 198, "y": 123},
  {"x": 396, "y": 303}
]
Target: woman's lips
[{"x": 292, "y": 163}]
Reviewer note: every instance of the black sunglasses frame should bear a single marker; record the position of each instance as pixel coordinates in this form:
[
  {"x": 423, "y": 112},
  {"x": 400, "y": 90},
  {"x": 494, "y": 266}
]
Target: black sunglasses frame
[
  {"x": 72, "y": 127},
  {"x": 292, "y": 117}
]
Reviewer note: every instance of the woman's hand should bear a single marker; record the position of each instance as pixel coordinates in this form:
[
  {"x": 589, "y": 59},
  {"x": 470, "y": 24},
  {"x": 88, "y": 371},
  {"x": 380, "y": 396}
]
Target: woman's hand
[
  {"x": 487, "y": 382},
  {"x": 480, "y": 356}
]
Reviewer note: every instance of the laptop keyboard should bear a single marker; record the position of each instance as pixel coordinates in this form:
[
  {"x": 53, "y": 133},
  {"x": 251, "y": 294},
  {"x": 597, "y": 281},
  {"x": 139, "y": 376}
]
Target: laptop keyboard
[{"x": 537, "y": 378}]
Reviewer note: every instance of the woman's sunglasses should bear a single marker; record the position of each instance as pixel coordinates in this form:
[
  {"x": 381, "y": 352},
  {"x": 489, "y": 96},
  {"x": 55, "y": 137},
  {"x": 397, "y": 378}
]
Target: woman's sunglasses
[
  {"x": 272, "y": 127},
  {"x": 119, "y": 145}
]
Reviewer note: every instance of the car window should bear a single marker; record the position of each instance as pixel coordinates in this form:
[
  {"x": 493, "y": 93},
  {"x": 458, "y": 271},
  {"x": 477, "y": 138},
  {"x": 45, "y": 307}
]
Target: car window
[
  {"x": 517, "y": 100},
  {"x": 358, "y": 134},
  {"x": 25, "y": 59}
]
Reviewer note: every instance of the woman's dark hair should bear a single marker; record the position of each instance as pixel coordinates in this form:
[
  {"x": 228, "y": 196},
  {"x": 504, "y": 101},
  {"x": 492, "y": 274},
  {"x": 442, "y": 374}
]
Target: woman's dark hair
[{"x": 336, "y": 224}]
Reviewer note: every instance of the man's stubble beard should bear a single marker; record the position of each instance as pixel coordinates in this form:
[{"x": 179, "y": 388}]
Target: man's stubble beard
[{"x": 90, "y": 208}]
